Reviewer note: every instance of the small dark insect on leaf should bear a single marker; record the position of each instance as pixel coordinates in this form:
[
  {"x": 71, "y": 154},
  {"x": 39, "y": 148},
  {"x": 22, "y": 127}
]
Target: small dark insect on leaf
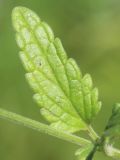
[{"x": 39, "y": 63}]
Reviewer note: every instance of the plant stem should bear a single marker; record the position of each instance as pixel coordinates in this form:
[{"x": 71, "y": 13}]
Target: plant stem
[
  {"x": 93, "y": 134},
  {"x": 42, "y": 128}
]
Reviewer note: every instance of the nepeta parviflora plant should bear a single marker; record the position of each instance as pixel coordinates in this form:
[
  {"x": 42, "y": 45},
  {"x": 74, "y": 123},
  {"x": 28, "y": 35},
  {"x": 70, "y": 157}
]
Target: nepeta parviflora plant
[{"x": 67, "y": 99}]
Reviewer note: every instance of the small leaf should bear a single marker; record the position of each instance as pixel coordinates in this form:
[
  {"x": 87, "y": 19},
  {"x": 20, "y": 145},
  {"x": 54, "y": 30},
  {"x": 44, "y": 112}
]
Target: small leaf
[
  {"x": 67, "y": 100},
  {"x": 113, "y": 127},
  {"x": 85, "y": 152}
]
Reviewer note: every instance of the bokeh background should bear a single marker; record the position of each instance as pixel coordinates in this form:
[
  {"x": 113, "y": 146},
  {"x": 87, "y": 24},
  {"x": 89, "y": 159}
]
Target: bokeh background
[{"x": 90, "y": 32}]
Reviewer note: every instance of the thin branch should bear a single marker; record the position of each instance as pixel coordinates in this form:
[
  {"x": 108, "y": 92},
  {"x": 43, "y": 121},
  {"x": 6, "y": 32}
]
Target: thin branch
[{"x": 43, "y": 128}]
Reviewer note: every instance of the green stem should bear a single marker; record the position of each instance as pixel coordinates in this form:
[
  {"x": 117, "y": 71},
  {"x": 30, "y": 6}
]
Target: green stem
[
  {"x": 93, "y": 134},
  {"x": 42, "y": 128}
]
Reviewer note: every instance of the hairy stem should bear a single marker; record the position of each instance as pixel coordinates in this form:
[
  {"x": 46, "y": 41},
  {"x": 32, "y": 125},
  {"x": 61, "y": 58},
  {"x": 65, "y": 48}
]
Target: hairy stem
[
  {"x": 42, "y": 128},
  {"x": 92, "y": 134}
]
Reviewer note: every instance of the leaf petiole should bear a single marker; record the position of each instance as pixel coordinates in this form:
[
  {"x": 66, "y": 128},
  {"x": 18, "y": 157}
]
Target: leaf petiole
[{"x": 93, "y": 134}]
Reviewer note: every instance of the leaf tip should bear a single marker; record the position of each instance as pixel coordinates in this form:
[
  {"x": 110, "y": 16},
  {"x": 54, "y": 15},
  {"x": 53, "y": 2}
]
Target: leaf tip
[{"x": 21, "y": 16}]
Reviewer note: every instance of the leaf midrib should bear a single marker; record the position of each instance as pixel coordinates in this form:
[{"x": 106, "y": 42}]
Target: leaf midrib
[{"x": 27, "y": 25}]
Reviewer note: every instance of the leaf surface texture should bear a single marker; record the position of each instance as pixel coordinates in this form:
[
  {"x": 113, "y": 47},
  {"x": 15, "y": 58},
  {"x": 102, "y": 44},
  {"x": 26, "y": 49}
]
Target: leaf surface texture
[{"x": 66, "y": 98}]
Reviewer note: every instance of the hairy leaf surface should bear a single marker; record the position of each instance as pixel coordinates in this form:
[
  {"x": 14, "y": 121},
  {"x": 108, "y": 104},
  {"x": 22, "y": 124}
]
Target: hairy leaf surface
[{"x": 67, "y": 100}]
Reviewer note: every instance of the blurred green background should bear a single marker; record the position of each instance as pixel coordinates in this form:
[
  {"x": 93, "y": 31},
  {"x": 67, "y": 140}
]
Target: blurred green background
[{"x": 90, "y": 32}]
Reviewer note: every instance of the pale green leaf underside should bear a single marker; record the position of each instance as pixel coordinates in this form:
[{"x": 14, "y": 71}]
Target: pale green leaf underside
[{"x": 67, "y": 100}]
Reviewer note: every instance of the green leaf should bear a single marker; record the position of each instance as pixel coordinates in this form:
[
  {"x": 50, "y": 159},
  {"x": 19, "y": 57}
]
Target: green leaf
[
  {"x": 85, "y": 152},
  {"x": 67, "y": 100},
  {"x": 113, "y": 127}
]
